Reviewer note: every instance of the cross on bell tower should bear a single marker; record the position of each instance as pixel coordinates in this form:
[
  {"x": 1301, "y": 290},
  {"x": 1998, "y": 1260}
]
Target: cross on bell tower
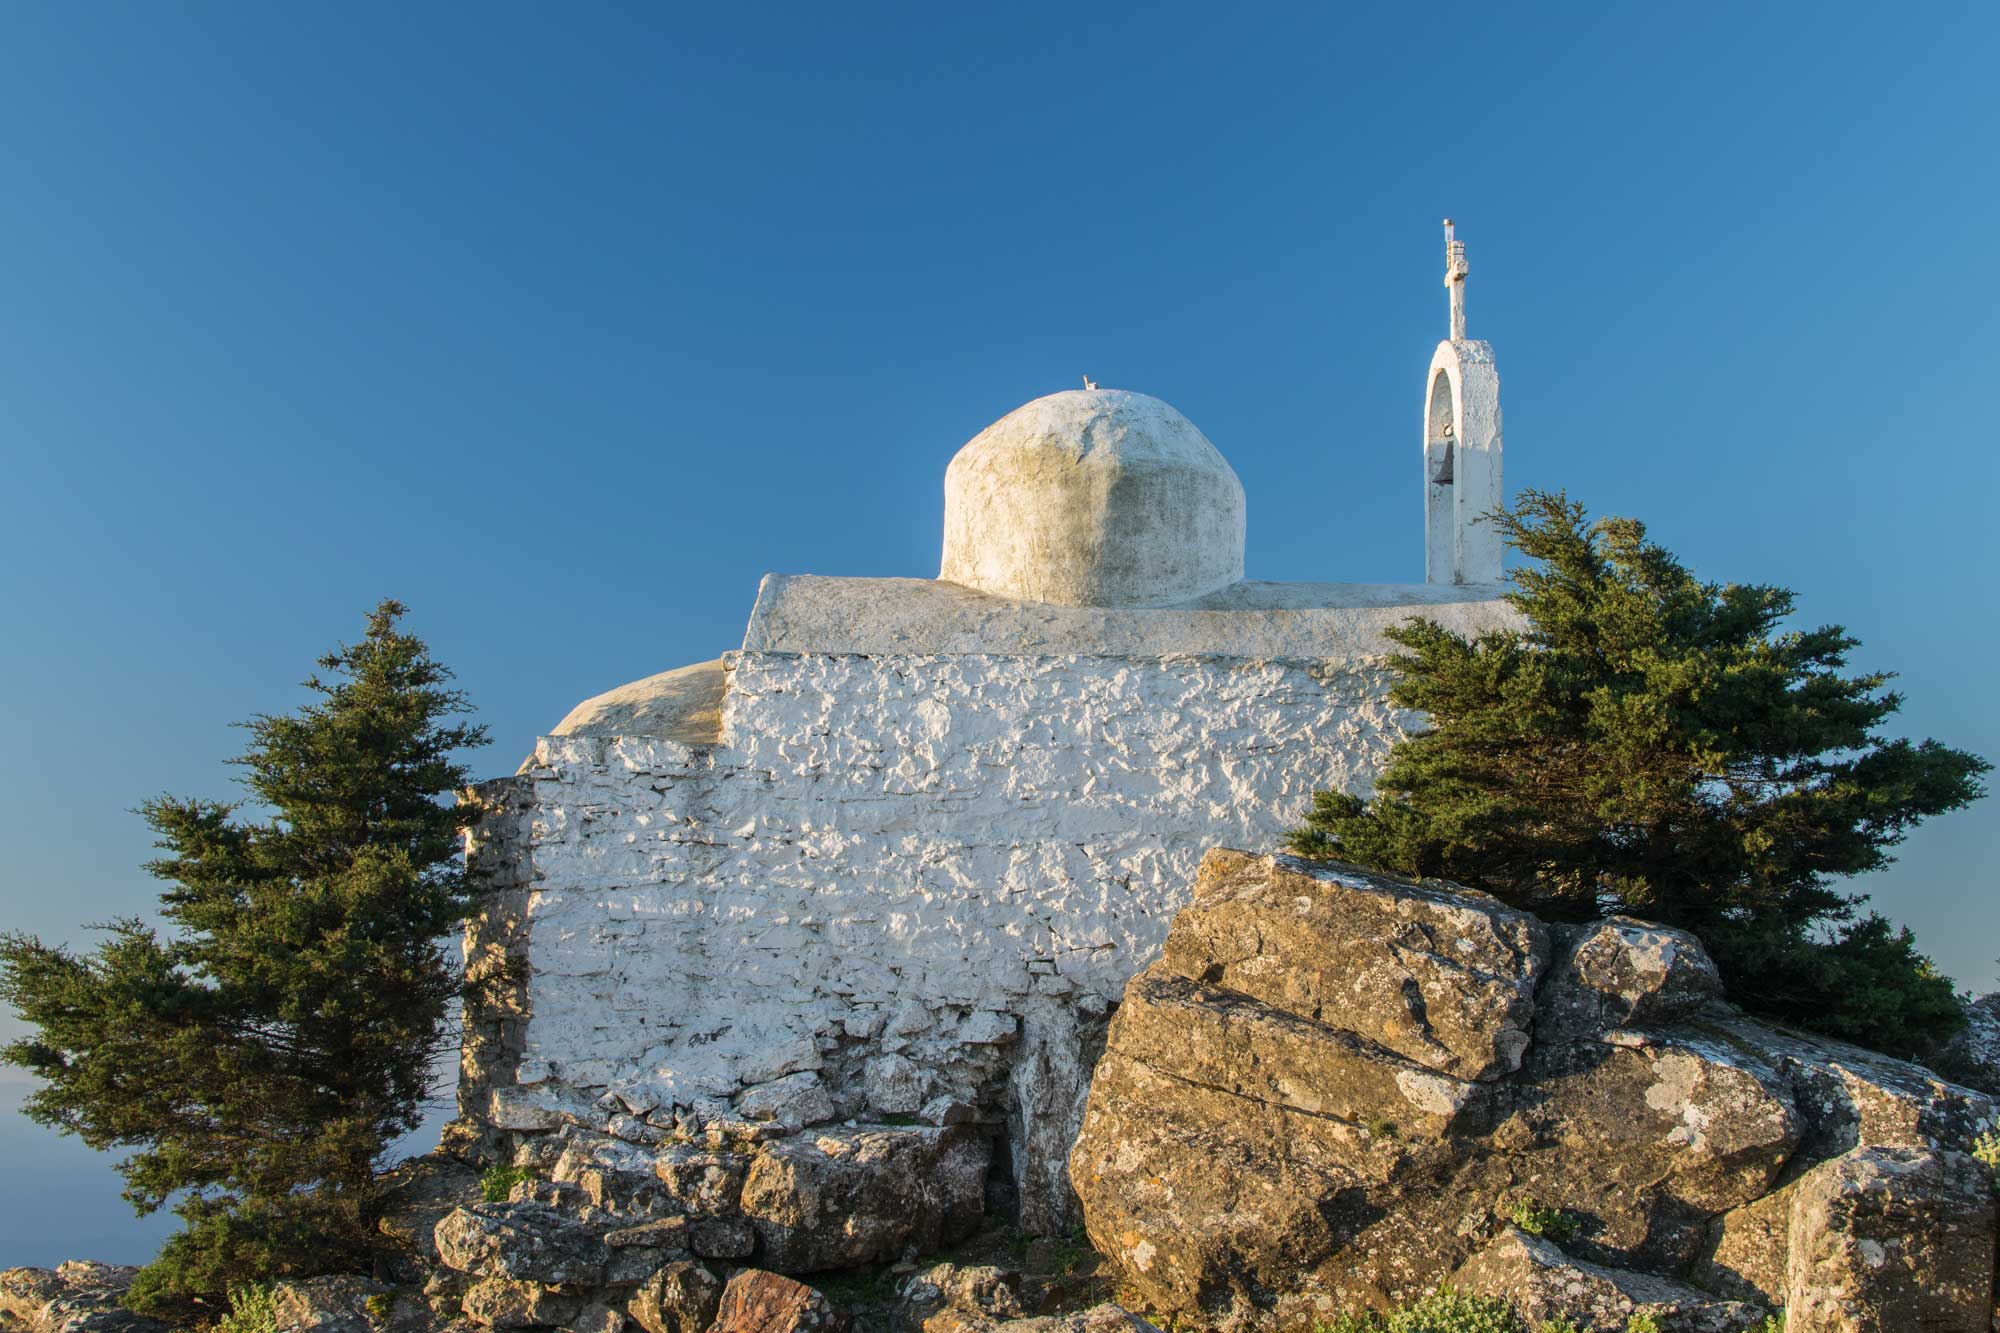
[
  {"x": 1461, "y": 445},
  {"x": 1455, "y": 269}
]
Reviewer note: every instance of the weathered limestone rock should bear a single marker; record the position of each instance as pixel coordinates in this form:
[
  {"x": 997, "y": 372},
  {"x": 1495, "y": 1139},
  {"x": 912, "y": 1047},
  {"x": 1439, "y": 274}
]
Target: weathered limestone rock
[
  {"x": 979, "y": 1289},
  {"x": 759, "y": 1302},
  {"x": 1239, "y": 1156},
  {"x": 851, "y": 1197},
  {"x": 795, "y": 1100},
  {"x": 499, "y": 1302},
  {"x": 1221, "y": 1038},
  {"x": 680, "y": 1298},
  {"x": 335, "y": 1304},
  {"x": 417, "y": 1195},
  {"x": 522, "y": 1242},
  {"x": 596, "y": 1318},
  {"x": 1443, "y": 978},
  {"x": 1626, "y": 973},
  {"x": 1543, "y": 1283},
  {"x": 79, "y": 1296},
  {"x": 1973, "y": 1057},
  {"x": 1887, "y": 1239}
]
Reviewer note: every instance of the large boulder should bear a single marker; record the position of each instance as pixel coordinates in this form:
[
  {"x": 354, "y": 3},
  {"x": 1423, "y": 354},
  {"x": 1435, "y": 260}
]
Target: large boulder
[
  {"x": 1888, "y": 1239},
  {"x": 522, "y": 1242},
  {"x": 846, "y": 1198},
  {"x": 1326, "y": 1088},
  {"x": 1444, "y": 978}
]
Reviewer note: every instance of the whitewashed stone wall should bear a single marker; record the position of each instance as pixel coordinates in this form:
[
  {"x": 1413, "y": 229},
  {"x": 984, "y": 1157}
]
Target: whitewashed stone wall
[{"x": 900, "y": 879}]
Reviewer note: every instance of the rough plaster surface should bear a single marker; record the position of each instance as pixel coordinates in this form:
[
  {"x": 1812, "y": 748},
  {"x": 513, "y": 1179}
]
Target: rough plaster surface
[
  {"x": 1093, "y": 497},
  {"x": 916, "y": 876}
]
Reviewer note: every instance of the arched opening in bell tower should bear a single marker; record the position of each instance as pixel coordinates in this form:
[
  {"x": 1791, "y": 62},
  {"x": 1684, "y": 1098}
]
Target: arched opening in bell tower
[{"x": 1440, "y": 458}]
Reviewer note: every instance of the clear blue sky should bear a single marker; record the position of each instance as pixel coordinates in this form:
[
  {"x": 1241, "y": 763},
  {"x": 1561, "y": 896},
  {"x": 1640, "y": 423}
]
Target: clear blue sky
[{"x": 564, "y": 324}]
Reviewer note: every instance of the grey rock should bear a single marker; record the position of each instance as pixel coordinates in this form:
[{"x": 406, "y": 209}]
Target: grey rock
[
  {"x": 1625, "y": 973},
  {"x": 336, "y": 1304},
  {"x": 1887, "y": 1239},
  {"x": 796, "y": 1100},
  {"x": 1253, "y": 1137},
  {"x": 79, "y": 1296},
  {"x": 852, "y": 1197},
  {"x": 416, "y": 1196},
  {"x": 680, "y": 1298},
  {"x": 1441, "y": 976},
  {"x": 1542, "y": 1283},
  {"x": 498, "y": 1302},
  {"x": 894, "y": 1084},
  {"x": 597, "y": 1318},
  {"x": 722, "y": 1238},
  {"x": 522, "y": 1242}
]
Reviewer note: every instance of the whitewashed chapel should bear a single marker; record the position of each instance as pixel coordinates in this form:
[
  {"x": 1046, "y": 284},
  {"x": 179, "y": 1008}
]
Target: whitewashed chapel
[{"x": 896, "y": 857}]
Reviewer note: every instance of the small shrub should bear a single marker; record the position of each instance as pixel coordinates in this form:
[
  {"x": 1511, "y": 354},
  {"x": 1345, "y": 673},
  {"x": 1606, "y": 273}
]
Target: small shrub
[
  {"x": 499, "y": 1182},
  {"x": 251, "y": 1310},
  {"x": 380, "y": 1306},
  {"x": 1562, "y": 1324},
  {"x": 1773, "y": 1323},
  {"x": 1987, "y": 1149},
  {"x": 1549, "y": 1223},
  {"x": 1446, "y": 1310},
  {"x": 1380, "y": 1127},
  {"x": 1645, "y": 1321}
]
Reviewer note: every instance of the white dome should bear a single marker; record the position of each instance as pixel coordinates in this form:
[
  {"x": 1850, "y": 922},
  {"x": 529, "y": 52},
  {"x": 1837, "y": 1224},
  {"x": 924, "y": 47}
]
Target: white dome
[{"x": 1093, "y": 497}]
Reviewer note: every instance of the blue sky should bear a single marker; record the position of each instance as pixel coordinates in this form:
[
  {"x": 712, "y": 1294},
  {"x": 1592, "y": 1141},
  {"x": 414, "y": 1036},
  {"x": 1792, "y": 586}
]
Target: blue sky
[{"x": 566, "y": 324}]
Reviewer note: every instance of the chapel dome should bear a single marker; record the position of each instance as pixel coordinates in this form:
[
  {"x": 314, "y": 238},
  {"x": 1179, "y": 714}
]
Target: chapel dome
[{"x": 1093, "y": 497}]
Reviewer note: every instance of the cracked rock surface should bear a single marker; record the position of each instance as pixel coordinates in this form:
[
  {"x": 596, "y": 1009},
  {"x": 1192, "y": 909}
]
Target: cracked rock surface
[{"x": 1334, "y": 1089}]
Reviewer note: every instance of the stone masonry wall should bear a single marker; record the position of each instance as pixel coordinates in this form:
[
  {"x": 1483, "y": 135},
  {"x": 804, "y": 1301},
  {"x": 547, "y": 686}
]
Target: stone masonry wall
[{"x": 897, "y": 880}]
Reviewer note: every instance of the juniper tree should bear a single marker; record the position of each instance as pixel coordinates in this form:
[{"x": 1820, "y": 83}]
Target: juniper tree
[
  {"x": 257, "y": 1057},
  {"x": 1654, "y": 744}
]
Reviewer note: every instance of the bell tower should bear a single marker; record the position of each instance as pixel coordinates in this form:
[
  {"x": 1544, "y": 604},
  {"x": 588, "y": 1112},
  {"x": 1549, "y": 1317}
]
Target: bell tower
[{"x": 1461, "y": 444}]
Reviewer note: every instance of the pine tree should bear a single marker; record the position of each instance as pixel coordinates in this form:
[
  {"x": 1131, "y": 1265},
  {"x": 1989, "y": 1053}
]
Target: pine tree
[
  {"x": 258, "y": 1058},
  {"x": 1653, "y": 744}
]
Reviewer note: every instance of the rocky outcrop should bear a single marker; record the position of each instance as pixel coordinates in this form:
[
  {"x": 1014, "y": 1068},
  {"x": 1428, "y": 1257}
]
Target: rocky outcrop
[
  {"x": 629, "y": 1224},
  {"x": 1973, "y": 1056},
  {"x": 1335, "y": 1089},
  {"x": 80, "y": 1296}
]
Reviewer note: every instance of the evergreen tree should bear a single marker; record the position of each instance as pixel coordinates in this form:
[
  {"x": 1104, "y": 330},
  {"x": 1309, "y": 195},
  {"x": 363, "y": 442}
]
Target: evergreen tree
[
  {"x": 258, "y": 1058},
  {"x": 1653, "y": 744}
]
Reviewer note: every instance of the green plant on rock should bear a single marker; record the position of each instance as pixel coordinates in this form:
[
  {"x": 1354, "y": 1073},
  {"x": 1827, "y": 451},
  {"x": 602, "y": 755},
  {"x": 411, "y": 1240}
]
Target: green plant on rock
[
  {"x": 1536, "y": 1219},
  {"x": 1653, "y": 744},
  {"x": 252, "y": 1309},
  {"x": 380, "y": 1306},
  {"x": 1560, "y": 1324},
  {"x": 256, "y": 1059},
  {"x": 498, "y": 1182},
  {"x": 1987, "y": 1149},
  {"x": 1446, "y": 1310},
  {"x": 1643, "y": 1321}
]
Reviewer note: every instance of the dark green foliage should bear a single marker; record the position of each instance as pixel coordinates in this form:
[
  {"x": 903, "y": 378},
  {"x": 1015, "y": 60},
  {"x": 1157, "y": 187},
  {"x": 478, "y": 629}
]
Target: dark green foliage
[
  {"x": 499, "y": 1180},
  {"x": 1658, "y": 745},
  {"x": 256, "y": 1059}
]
